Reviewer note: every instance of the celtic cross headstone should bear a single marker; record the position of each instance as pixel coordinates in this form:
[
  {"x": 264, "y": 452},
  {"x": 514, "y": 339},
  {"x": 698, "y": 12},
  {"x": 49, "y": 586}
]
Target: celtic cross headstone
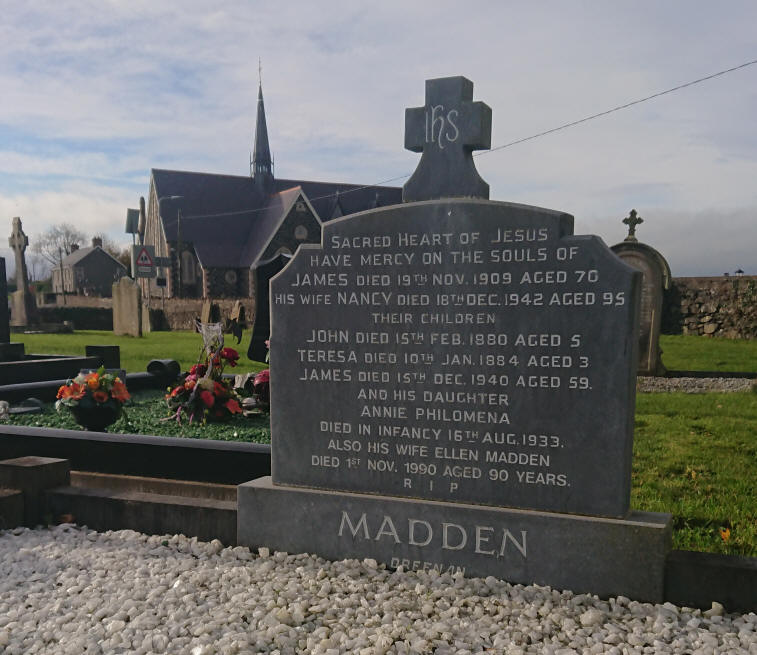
[{"x": 23, "y": 305}]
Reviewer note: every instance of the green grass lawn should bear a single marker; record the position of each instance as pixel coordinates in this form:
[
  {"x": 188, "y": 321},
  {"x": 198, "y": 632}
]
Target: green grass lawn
[
  {"x": 136, "y": 352},
  {"x": 695, "y": 456},
  {"x": 692, "y": 353}
]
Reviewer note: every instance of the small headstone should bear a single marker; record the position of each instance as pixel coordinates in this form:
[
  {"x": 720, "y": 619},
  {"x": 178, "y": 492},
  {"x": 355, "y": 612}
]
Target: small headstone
[
  {"x": 453, "y": 385},
  {"x": 110, "y": 355},
  {"x": 127, "y": 308},
  {"x": 656, "y": 279},
  {"x": 24, "y": 310}
]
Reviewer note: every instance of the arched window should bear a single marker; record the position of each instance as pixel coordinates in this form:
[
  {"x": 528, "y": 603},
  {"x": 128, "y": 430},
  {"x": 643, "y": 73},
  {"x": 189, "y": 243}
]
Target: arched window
[{"x": 188, "y": 270}]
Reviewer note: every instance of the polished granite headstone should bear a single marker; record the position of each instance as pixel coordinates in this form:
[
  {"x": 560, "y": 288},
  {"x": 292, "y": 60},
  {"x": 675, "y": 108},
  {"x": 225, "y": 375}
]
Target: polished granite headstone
[{"x": 453, "y": 383}]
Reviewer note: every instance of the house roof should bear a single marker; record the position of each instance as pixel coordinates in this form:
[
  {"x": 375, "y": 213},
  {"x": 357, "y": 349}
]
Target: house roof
[
  {"x": 230, "y": 221},
  {"x": 82, "y": 253}
]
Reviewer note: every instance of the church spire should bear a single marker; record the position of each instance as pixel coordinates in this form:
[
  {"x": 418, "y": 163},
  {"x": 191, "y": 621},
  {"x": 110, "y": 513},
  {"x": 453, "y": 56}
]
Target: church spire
[{"x": 261, "y": 166}]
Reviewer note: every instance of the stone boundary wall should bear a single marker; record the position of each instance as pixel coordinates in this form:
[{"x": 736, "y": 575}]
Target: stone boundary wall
[
  {"x": 78, "y": 301},
  {"x": 180, "y": 313},
  {"x": 169, "y": 314},
  {"x": 712, "y": 306}
]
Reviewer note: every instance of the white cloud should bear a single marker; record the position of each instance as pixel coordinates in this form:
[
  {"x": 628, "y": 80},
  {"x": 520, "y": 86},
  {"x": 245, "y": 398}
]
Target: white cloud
[{"x": 97, "y": 93}]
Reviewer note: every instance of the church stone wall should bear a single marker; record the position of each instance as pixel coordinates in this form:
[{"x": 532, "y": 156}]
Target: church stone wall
[{"x": 226, "y": 282}]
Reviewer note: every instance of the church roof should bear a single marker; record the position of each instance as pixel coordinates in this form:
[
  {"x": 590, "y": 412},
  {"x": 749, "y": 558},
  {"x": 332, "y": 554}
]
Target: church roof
[{"x": 230, "y": 221}]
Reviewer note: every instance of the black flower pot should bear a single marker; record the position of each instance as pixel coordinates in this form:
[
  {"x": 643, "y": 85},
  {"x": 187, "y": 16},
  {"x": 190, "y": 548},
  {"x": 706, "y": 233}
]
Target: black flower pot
[{"x": 98, "y": 417}]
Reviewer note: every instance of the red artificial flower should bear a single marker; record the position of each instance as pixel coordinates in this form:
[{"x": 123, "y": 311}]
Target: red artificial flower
[
  {"x": 262, "y": 377},
  {"x": 233, "y": 406},
  {"x": 230, "y": 355},
  {"x": 198, "y": 370},
  {"x": 207, "y": 398},
  {"x": 219, "y": 389},
  {"x": 100, "y": 396}
]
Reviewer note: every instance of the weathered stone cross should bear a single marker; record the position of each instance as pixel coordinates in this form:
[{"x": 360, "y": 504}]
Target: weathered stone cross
[
  {"x": 447, "y": 131},
  {"x": 632, "y": 221},
  {"x": 18, "y": 241}
]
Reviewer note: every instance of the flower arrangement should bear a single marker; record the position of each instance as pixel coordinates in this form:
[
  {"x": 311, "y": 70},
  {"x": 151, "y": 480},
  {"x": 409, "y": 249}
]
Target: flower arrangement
[
  {"x": 95, "y": 399},
  {"x": 88, "y": 390},
  {"x": 261, "y": 389},
  {"x": 205, "y": 395}
]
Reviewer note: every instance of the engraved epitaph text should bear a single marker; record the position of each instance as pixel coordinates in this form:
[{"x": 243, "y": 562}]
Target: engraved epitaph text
[{"x": 458, "y": 350}]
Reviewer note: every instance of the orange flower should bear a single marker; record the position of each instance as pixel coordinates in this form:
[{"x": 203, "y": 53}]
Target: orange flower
[
  {"x": 233, "y": 406},
  {"x": 77, "y": 390},
  {"x": 93, "y": 381},
  {"x": 64, "y": 392},
  {"x": 100, "y": 396},
  {"x": 119, "y": 391},
  {"x": 189, "y": 385},
  {"x": 725, "y": 534}
]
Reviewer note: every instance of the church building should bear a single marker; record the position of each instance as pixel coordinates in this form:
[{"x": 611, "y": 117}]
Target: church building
[{"x": 219, "y": 230}]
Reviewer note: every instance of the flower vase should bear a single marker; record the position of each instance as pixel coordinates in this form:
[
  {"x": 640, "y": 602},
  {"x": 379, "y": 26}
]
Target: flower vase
[{"x": 97, "y": 417}]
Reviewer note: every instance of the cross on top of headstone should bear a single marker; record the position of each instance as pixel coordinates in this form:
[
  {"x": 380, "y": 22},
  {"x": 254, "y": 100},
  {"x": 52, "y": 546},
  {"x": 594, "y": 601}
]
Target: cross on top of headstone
[
  {"x": 447, "y": 130},
  {"x": 632, "y": 221}
]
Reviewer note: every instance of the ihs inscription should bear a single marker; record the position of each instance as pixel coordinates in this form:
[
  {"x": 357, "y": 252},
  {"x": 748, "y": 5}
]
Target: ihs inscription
[{"x": 447, "y": 130}]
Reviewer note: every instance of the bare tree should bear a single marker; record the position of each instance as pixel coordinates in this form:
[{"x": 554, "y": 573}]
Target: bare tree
[
  {"x": 57, "y": 242},
  {"x": 37, "y": 267}
]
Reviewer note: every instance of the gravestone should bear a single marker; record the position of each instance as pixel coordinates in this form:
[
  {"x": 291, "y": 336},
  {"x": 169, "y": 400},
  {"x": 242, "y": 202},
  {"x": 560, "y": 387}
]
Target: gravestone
[
  {"x": 655, "y": 281},
  {"x": 453, "y": 384},
  {"x": 24, "y": 309},
  {"x": 8, "y": 351},
  {"x": 127, "y": 308},
  {"x": 258, "y": 350},
  {"x": 5, "y": 332}
]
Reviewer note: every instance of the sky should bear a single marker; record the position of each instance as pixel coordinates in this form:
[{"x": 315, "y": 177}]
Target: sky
[{"x": 96, "y": 93}]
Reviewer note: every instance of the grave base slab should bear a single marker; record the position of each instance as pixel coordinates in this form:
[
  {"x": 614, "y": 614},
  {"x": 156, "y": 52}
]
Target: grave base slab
[{"x": 584, "y": 554}]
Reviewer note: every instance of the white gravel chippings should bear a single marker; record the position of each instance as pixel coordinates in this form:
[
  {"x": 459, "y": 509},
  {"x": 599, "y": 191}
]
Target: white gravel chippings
[{"x": 69, "y": 589}]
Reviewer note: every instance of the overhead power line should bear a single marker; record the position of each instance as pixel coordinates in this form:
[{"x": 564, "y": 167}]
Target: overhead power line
[
  {"x": 618, "y": 108},
  {"x": 480, "y": 153}
]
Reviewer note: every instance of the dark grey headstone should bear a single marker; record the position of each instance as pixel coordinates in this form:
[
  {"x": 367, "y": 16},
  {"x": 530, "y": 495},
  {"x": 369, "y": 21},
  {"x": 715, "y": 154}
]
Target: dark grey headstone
[
  {"x": 447, "y": 130},
  {"x": 447, "y": 376},
  {"x": 608, "y": 557},
  {"x": 459, "y": 350}
]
